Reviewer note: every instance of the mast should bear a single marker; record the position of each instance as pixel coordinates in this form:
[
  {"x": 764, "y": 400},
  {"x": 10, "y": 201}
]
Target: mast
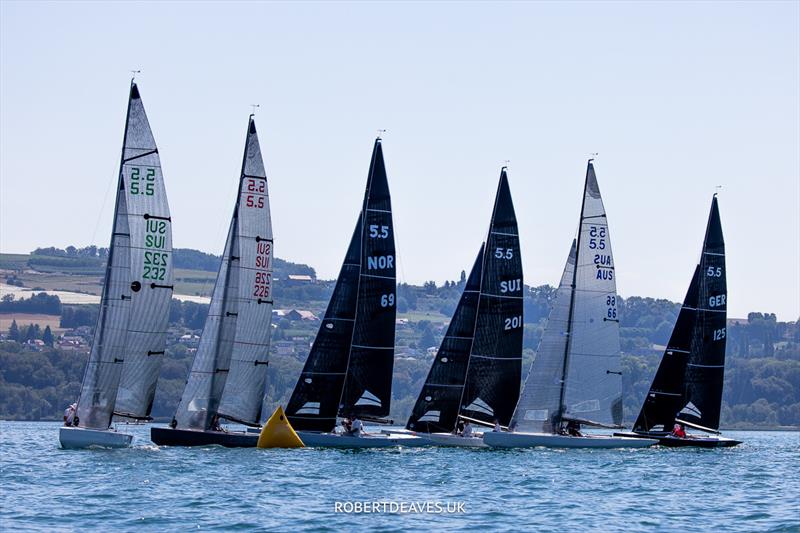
[{"x": 572, "y": 303}]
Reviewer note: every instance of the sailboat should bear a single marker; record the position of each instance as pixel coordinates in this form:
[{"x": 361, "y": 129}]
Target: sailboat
[
  {"x": 576, "y": 378},
  {"x": 348, "y": 372},
  {"x": 130, "y": 336},
  {"x": 229, "y": 373},
  {"x": 476, "y": 373},
  {"x": 687, "y": 388}
]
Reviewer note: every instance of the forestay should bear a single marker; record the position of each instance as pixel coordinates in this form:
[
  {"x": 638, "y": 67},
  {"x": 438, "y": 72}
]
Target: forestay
[
  {"x": 126, "y": 356},
  {"x": 228, "y": 375}
]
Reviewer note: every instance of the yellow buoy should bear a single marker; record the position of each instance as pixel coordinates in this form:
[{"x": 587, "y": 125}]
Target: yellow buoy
[{"x": 278, "y": 432}]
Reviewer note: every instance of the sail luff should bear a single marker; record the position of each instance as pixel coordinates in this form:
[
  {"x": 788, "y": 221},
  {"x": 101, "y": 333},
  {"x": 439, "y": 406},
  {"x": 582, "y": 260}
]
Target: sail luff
[{"x": 101, "y": 375}]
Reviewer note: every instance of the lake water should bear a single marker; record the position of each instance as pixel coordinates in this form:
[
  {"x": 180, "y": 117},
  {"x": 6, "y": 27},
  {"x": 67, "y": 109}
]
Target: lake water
[{"x": 753, "y": 487}]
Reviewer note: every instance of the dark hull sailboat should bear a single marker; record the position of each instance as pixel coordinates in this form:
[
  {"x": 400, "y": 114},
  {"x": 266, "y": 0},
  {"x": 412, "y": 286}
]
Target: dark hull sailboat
[
  {"x": 348, "y": 372},
  {"x": 228, "y": 375},
  {"x": 128, "y": 347},
  {"x": 476, "y": 372},
  {"x": 687, "y": 388}
]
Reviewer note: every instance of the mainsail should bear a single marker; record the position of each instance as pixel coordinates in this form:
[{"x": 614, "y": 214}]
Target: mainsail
[
  {"x": 228, "y": 376},
  {"x": 437, "y": 406},
  {"x": 576, "y": 373},
  {"x": 349, "y": 369},
  {"x": 130, "y": 336},
  {"x": 541, "y": 395},
  {"x": 494, "y": 369},
  {"x": 592, "y": 390},
  {"x": 688, "y": 383}
]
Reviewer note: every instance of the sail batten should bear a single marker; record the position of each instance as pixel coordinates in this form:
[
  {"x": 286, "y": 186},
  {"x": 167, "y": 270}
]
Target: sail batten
[
  {"x": 130, "y": 335},
  {"x": 228, "y": 375}
]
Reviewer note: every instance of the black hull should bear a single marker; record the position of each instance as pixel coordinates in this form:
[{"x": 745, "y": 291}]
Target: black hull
[
  {"x": 184, "y": 437},
  {"x": 689, "y": 442}
]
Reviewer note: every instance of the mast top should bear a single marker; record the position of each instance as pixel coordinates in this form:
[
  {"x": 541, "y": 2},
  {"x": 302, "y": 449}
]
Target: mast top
[
  {"x": 254, "y": 106},
  {"x": 133, "y": 75},
  {"x": 380, "y": 134}
]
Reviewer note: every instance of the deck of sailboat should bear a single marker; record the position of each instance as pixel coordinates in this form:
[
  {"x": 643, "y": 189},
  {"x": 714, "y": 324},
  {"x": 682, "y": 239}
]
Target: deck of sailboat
[
  {"x": 504, "y": 439},
  {"x": 165, "y": 436},
  {"x": 449, "y": 439}
]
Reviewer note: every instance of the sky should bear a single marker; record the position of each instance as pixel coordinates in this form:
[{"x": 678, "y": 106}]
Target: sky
[{"x": 675, "y": 98}]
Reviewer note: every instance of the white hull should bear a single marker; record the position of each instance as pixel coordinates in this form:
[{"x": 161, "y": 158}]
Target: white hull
[
  {"x": 331, "y": 440},
  {"x": 448, "y": 439},
  {"x": 504, "y": 439},
  {"x": 74, "y": 438}
]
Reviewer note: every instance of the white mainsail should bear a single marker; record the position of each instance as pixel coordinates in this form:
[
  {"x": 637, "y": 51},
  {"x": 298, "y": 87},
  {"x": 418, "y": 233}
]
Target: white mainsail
[
  {"x": 228, "y": 375},
  {"x": 130, "y": 335},
  {"x": 593, "y": 388}
]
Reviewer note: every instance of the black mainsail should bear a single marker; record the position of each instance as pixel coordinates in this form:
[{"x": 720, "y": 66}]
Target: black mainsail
[
  {"x": 494, "y": 369},
  {"x": 688, "y": 383},
  {"x": 130, "y": 337},
  {"x": 229, "y": 371},
  {"x": 437, "y": 407},
  {"x": 349, "y": 369}
]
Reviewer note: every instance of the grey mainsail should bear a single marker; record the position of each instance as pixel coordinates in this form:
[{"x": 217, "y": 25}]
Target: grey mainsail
[
  {"x": 593, "y": 385},
  {"x": 130, "y": 336},
  {"x": 228, "y": 376},
  {"x": 541, "y": 395}
]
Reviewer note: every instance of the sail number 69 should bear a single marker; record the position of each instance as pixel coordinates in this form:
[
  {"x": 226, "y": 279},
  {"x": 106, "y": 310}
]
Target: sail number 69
[{"x": 387, "y": 300}]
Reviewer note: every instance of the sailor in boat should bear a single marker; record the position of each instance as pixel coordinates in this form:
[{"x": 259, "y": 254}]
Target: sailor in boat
[
  {"x": 497, "y": 425},
  {"x": 679, "y": 431},
  {"x": 215, "y": 425},
  {"x": 459, "y": 429},
  {"x": 467, "y": 433},
  {"x": 347, "y": 426},
  {"x": 358, "y": 428},
  {"x": 574, "y": 429},
  {"x": 69, "y": 415},
  {"x": 512, "y": 427}
]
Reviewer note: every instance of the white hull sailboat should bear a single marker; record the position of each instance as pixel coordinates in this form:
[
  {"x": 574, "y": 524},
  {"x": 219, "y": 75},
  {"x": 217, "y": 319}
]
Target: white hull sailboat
[
  {"x": 504, "y": 439},
  {"x": 130, "y": 337},
  {"x": 72, "y": 438},
  {"x": 451, "y": 439},
  {"x": 316, "y": 439}
]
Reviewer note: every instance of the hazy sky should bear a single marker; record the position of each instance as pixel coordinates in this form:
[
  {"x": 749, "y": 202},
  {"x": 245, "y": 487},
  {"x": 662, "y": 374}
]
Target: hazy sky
[{"x": 677, "y": 98}]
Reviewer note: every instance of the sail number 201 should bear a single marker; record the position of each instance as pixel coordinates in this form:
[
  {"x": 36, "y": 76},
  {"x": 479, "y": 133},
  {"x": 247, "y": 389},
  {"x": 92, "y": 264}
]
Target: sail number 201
[{"x": 513, "y": 323}]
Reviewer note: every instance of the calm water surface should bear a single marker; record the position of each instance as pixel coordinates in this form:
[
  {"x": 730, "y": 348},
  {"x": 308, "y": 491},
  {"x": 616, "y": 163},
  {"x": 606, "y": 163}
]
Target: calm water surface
[{"x": 754, "y": 487}]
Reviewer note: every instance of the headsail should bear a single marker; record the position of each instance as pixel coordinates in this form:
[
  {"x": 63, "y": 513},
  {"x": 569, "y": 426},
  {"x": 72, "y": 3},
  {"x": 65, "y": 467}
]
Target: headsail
[
  {"x": 492, "y": 385},
  {"x": 229, "y": 370},
  {"x": 437, "y": 406},
  {"x": 539, "y": 402},
  {"x": 593, "y": 384},
  {"x": 368, "y": 383},
  {"x": 688, "y": 383},
  {"x": 130, "y": 335}
]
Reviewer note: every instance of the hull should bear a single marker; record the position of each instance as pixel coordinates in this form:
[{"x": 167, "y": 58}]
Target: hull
[
  {"x": 331, "y": 440},
  {"x": 164, "y": 436},
  {"x": 502, "y": 439},
  {"x": 75, "y": 438},
  {"x": 448, "y": 439},
  {"x": 691, "y": 441}
]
